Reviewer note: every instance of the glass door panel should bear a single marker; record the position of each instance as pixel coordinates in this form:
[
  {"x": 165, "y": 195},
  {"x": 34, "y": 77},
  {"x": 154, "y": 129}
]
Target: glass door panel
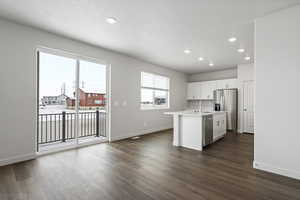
[
  {"x": 56, "y": 119},
  {"x": 92, "y": 101}
]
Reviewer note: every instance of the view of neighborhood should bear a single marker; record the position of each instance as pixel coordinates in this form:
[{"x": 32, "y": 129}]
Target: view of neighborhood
[{"x": 88, "y": 100}]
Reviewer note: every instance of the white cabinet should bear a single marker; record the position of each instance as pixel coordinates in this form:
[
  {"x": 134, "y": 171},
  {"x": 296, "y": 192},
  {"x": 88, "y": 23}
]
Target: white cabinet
[
  {"x": 194, "y": 90},
  {"x": 227, "y": 83},
  {"x": 207, "y": 89},
  {"x": 201, "y": 90},
  {"x": 219, "y": 125}
]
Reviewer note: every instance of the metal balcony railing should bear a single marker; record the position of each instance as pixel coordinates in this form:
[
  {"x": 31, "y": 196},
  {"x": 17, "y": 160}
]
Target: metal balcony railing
[{"x": 61, "y": 127}]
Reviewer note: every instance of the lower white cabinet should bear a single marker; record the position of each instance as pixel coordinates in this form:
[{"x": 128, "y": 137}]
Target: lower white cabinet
[{"x": 219, "y": 125}]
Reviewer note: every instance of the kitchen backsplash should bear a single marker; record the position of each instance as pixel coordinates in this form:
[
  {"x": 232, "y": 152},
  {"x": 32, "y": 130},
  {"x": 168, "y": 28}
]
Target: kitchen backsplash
[{"x": 202, "y": 105}]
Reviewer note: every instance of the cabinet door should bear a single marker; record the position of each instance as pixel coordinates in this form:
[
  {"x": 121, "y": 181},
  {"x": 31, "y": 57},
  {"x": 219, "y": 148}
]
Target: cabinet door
[
  {"x": 194, "y": 91},
  {"x": 212, "y": 88},
  {"x": 207, "y": 89},
  {"x": 203, "y": 90},
  {"x": 215, "y": 129},
  {"x": 223, "y": 124},
  {"x": 190, "y": 89},
  {"x": 216, "y": 126}
]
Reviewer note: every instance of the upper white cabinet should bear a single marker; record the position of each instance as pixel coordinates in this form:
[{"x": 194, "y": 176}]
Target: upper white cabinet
[
  {"x": 201, "y": 90},
  {"x": 194, "y": 90},
  {"x": 205, "y": 90},
  {"x": 227, "y": 83}
]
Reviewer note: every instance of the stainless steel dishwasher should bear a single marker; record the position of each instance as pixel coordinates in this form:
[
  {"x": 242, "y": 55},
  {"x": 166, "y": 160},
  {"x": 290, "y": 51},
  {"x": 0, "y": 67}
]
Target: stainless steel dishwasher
[{"x": 207, "y": 130}]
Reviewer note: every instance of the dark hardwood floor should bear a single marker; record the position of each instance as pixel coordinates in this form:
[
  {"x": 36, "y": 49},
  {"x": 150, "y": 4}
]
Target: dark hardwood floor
[{"x": 147, "y": 168}]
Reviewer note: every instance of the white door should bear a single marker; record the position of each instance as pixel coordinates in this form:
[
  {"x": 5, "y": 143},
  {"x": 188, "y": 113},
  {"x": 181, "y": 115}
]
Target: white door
[{"x": 248, "y": 106}]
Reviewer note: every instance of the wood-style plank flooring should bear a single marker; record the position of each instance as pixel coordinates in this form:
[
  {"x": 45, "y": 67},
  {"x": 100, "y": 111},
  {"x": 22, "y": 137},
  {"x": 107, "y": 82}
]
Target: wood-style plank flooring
[{"x": 145, "y": 169}]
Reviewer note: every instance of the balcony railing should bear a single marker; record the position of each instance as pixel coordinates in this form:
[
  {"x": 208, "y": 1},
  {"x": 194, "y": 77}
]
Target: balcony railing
[{"x": 60, "y": 127}]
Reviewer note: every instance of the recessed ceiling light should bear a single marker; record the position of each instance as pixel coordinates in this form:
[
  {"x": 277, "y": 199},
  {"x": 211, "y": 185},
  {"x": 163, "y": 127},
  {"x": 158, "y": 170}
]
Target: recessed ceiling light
[
  {"x": 241, "y": 50},
  {"x": 247, "y": 58},
  {"x": 111, "y": 20},
  {"x": 211, "y": 64},
  {"x": 200, "y": 58},
  {"x": 187, "y": 51},
  {"x": 232, "y": 39}
]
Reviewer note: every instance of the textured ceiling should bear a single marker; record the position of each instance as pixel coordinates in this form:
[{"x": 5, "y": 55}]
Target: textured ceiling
[{"x": 156, "y": 31}]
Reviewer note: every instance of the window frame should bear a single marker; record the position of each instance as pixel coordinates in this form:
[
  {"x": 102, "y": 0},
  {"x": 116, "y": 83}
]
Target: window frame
[{"x": 155, "y": 107}]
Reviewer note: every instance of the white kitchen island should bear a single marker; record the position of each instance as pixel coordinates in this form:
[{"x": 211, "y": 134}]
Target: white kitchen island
[{"x": 188, "y": 128}]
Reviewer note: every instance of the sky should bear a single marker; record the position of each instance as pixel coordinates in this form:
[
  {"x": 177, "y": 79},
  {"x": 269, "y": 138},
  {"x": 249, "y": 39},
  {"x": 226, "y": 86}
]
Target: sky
[{"x": 56, "y": 71}]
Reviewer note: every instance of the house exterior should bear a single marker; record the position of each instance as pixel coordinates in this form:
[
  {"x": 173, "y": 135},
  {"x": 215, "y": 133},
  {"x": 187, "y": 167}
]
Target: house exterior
[
  {"x": 88, "y": 99},
  {"x": 55, "y": 100}
]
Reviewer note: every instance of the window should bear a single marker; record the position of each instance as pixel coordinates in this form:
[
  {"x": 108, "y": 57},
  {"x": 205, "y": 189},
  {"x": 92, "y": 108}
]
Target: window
[
  {"x": 154, "y": 91},
  {"x": 98, "y": 102}
]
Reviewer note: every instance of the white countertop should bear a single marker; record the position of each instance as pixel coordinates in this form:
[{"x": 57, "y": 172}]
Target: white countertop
[{"x": 193, "y": 113}]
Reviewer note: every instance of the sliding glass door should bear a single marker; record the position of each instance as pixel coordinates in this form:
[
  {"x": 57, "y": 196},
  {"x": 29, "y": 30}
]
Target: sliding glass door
[
  {"x": 72, "y": 101},
  {"x": 92, "y": 101}
]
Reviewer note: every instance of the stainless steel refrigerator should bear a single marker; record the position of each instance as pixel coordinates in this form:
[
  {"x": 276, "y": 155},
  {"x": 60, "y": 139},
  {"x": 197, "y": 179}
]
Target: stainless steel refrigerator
[{"x": 227, "y": 100}]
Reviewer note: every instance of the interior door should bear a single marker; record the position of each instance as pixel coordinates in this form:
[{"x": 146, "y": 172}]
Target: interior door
[{"x": 248, "y": 113}]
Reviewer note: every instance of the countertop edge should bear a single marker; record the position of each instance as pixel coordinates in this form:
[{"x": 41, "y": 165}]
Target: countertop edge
[{"x": 196, "y": 114}]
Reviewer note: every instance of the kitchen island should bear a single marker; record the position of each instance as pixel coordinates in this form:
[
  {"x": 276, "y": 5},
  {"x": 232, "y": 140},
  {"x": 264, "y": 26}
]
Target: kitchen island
[{"x": 189, "y": 128}]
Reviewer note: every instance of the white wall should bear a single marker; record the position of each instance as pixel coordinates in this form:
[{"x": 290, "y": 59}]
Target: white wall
[
  {"x": 216, "y": 75},
  {"x": 18, "y": 89},
  {"x": 277, "y": 73},
  {"x": 245, "y": 73}
]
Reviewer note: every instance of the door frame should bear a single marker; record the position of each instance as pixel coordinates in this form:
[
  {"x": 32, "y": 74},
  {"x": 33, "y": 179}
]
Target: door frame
[
  {"x": 243, "y": 106},
  {"x": 77, "y": 57}
]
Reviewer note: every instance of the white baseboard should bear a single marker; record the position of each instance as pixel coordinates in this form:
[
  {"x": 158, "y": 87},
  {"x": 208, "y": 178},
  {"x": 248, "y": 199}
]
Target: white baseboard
[
  {"x": 17, "y": 159},
  {"x": 276, "y": 170},
  {"x": 143, "y": 132}
]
